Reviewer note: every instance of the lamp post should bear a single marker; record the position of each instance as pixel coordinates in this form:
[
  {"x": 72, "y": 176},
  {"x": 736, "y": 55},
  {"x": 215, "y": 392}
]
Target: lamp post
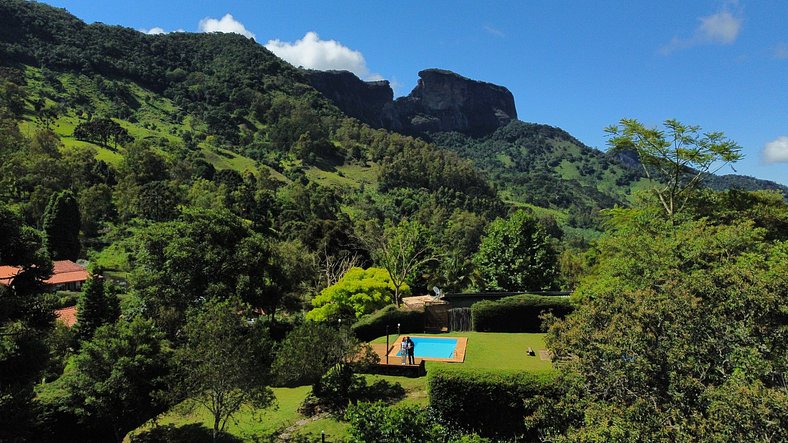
[
  {"x": 398, "y": 333},
  {"x": 387, "y": 344}
]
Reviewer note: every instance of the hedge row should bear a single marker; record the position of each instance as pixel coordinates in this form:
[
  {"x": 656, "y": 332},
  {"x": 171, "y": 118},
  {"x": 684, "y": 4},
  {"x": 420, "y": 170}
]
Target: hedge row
[
  {"x": 519, "y": 313},
  {"x": 490, "y": 403},
  {"x": 374, "y": 325}
]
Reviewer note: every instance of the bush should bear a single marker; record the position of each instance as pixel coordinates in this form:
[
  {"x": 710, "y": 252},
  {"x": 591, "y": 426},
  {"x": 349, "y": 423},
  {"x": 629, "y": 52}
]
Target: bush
[
  {"x": 373, "y": 325},
  {"x": 519, "y": 313},
  {"x": 378, "y": 422},
  {"x": 492, "y": 403}
]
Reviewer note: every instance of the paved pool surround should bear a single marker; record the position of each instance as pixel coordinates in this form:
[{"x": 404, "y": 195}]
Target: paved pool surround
[{"x": 459, "y": 350}]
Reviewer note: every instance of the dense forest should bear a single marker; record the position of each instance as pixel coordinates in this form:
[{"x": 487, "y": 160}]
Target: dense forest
[{"x": 244, "y": 235}]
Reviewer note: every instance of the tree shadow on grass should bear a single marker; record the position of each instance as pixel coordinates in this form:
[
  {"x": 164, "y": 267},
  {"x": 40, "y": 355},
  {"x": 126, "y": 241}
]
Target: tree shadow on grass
[{"x": 191, "y": 433}]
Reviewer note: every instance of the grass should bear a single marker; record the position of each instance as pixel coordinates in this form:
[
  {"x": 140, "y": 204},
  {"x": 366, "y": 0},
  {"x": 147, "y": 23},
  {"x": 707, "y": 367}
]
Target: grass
[
  {"x": 485, "y": 351},
  {"x": 496, "y": 350}
]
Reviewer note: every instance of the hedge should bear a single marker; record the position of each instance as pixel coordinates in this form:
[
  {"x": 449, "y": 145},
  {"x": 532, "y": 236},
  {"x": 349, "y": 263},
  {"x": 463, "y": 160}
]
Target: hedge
[
  {"x": 519, "y": 313},
  {"x": 373, "y": 325},
  {"x": 490, "y": 403}
]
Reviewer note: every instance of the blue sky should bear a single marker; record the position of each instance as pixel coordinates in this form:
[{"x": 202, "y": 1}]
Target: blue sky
[{"x": 579, "y": 65}]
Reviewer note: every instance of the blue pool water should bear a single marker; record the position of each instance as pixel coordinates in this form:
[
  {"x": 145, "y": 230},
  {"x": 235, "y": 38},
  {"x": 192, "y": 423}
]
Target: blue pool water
[{"x": 433, "y": 347}]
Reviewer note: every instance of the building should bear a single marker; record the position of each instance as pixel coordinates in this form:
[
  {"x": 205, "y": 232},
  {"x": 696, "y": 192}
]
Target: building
[{"x": 66, "y": 276}]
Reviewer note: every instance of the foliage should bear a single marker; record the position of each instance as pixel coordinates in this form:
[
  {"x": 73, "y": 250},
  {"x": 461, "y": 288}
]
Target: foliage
[
  {"x": 24, "y": 321},
  {"x": 402, "y": 250},
  {"x": 101, "y": 131},
  {"x": 459, "y": 240},
  {"x": 311, "y": 349},
  {"x": 116, "y": 381},
  {"x": 678, "y": 156},
  {"x": 374, "y": 325},
  {"x": 97, "y": 307},
  {"x": 492, "y": 403},
  {"x": 61, "y": 225},
  {"x": 545, "y": 166},
  {"x": 516, "y": 254},
  {"x": 190, "y": 433},
  {"x": 377, "y": 422},
  {"x": 678, "y": 315},
  {"x": 224, "y": 363},
  {"x": 358, "y": 292},
  {"x": 519, "y": 313},
  {"x": 201, "y": 255}
]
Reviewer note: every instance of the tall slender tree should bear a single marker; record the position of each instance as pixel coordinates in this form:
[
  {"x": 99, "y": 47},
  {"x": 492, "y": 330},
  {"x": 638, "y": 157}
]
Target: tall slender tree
[
  {"x": 61, "y": 226},
  {"x": 97, "y": 307}
]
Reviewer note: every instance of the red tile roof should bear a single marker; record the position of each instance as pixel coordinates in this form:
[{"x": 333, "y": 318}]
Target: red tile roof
[
  {"x": 7, "y": 273},
  {"x": 64, "y": 271},
  {"x": 67, "y": 316}
]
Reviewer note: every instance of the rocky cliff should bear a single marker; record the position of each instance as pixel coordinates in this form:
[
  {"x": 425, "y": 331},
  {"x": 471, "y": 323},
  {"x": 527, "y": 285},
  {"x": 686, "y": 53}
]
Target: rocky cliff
[
  {"x": 441, "y": 102},
  {"x": 356, "y": 98}
]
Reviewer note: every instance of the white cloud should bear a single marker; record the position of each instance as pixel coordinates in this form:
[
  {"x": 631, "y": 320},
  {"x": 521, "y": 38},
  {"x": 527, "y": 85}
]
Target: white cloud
[
  {"x": 154, "y": 31},
  {"x": 494, "y": 31},
  {"x": 313, "y": 53},
  {"x": 776, "y": 151},
  {"x": 225, "y": 24},
  {"x": 157, "y": 30},
  {"x": 720, "y": 28}
]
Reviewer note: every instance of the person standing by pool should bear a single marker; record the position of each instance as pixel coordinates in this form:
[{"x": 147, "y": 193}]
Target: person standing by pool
[
  {"x": 403, "y": 349},
  {"x": 411, "y": 352}
]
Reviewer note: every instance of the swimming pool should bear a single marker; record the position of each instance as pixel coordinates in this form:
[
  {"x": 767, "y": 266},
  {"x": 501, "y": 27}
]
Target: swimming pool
[{"x": 430, "y": 347}]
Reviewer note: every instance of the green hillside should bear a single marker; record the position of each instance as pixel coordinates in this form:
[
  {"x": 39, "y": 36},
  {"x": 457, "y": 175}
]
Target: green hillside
[{"x": 545, "y": 166}]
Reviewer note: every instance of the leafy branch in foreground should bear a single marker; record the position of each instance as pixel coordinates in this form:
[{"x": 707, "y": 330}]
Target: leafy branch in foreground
[{"x": 678, "y": 156}]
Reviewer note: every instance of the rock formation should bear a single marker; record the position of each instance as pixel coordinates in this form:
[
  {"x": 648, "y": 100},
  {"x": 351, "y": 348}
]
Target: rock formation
[
  {"x": 442, "y": 101},
  {"x": 356, "y": 98}
]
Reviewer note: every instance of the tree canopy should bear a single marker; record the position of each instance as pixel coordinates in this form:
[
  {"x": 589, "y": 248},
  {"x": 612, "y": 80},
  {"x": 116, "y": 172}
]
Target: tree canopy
[
  {"x": 358, "y": 292},
  {"x": 516, "y": 254},
  {"x": 678, "y": 317},
  {"x": 677, "y": 157}
]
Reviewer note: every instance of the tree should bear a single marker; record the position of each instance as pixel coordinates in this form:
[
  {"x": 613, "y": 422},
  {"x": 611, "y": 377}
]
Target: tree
[
  {"x": 24, "y": 322},
  {"x": 311, "y": 349},
  {"x": 677, "y": 157},
  {"x": 61, "y": 225},
  {"x": 201, "y": 255},
  {"x": 516, "y": 254},
  {"x": 96, "y": 307},
  {"x": 402, "y": 250},
  {"x": 677, "y": 316},
  {"x": 358, "y": 292},
  {"x": 115, "y": 383},
  {"x": 224, "y": 362},
  {"x": 460, "y": 239}
]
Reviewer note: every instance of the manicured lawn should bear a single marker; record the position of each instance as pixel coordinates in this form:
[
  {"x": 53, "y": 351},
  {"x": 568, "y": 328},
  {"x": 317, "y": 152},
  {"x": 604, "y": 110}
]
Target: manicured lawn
[
  {"x": 496, "y": 350},
  {"x": 248, "y": 423},
  {"x": 485, "y": 351}
]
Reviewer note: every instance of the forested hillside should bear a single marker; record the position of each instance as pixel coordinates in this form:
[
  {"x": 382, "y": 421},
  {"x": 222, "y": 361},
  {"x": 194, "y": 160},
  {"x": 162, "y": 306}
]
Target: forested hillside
[
  {"x": 242, "y": 234},
  {"x": 545, "y": 166}
]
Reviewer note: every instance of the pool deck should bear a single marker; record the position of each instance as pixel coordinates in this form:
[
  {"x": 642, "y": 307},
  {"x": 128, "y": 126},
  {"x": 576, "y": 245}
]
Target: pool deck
[{"x": 459, "y": 351}]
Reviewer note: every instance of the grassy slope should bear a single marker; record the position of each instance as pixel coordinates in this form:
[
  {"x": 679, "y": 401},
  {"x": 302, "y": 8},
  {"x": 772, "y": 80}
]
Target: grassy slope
[
  {"x": 502, "y": 351},
  {"x": 154, "y": 119}
]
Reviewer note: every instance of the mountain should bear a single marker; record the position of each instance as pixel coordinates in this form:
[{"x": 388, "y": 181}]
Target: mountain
[
  {"x": 225, "y": 101},
  {"x": 442, "y": 101},
  {"x": 529, "y": 163}
]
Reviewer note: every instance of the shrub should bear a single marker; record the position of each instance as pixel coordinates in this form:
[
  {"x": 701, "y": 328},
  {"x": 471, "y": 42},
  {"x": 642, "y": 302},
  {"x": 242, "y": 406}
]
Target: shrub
[
  {"x": 378, "y": 422},
  {"x": 491, "y": 403},
  {"x": 374, "y": 325},
  {"x": 519, "y": 313}
]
